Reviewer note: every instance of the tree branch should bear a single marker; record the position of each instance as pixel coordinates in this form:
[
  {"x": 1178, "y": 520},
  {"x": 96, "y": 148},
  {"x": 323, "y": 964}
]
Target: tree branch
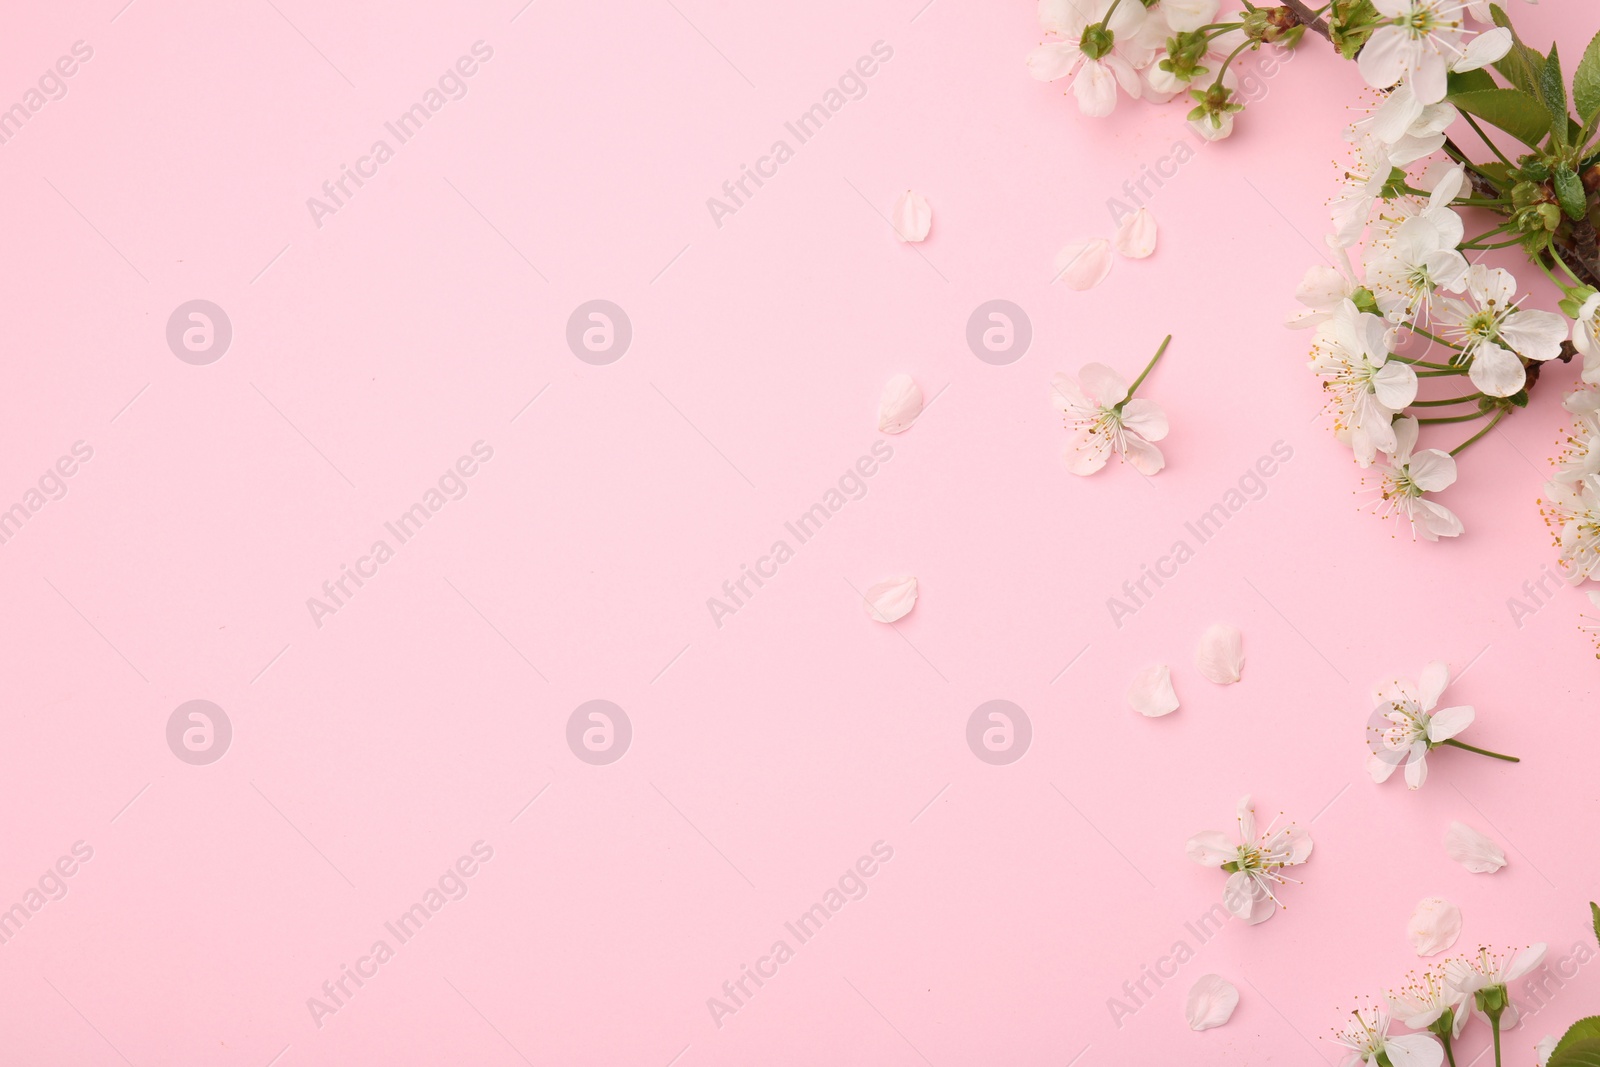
[{"x": 1307, "y": 19}]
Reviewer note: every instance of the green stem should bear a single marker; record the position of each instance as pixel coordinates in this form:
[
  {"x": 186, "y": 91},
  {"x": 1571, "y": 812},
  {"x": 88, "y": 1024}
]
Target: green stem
[
  {"x": 1247, "y": 43},
  {"x": 1485, "y": 138},
  {"x": 1480, "y": 751},
  {"x": 1452, "y": 372},
  {"x": 1462, "y": 447},
  {"x": 1449, "y": 1054},
  {"x": 1469, "y": 398},
  {"x": 1478, "y": 201},
  {"x": 1432, "y": 336},
  {"x": 1491, "y": 248},
  {"x": 1474, "y": 417},
  {"x": 1148, "y": 367},
  {"x": 1494, "y": 1020}
]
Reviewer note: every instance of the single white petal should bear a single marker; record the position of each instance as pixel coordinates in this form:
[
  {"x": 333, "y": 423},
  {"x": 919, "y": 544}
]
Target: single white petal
[
  {"x": 1211, "y": 1002},
  {"x": 1054, "y": 60},
  {"x": 889, "y": 601},
  {"x": 1488, "y": 47},
  {"x": 1542, "y": 1050},
  {"x": 1448, "y": 722},
  {"x": 1103, "y": 385},
  {"x": 1086, "y": 451},
  {"x": 1145, "y": 457},
  {"x": 911, "y": 216},
  {"x": 1433, "y": 470},
  {"x": 900, "y": 404},
  {"x": 1496, "y": 371},
  {"x": 1535, "y": 334},
  {"x": 1435, "y": 676},
  {"x": 1145, "y": 418},
  {"x": 1151, "y": 692},
  {"x": 1526, "y": 960},
  {"x": 1414, "y": 1050},
  {"x": 1084, "y": 264},
  {"x": 1472, "y": 850},
  {"x": 1096, "y": 88},
  {"x": 1136, "y": 234},
  {"x": 1220, "y": 655},
  {"x": 1211, "y": 848},
  {"x": 1434, "y": 926},
  {"x": 1417, "y": 768}
]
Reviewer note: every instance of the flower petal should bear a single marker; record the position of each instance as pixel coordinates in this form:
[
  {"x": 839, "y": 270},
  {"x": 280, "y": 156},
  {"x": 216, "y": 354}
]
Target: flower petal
[
  {"x": 1145, "y": 457},
  {"x": 1472, "y": 850},
  {"x": 1413, "y": 1050},
  {"x": 890, "y": 600},
  {"x": 1211, "y": 1002},
  {"x": 1435, "y": 676},
  {"x": 1136, "y": 234},
  {"x": 1434, "y": 926},
  {"x": 1448, "y": 722},
  {"x": 1211, "y": 848},
  {"x": 900, "y": 404},
  {"x": 1220, "y": 656},
  {"x": 1151, "y": 692},
  {"x": 1496, "y": 371},
  {"x": 1145, "y": 418},
  {"x": 1084, "y": 264},
  {"x": 1103, "y": 385},
  {"x": 911, "y": 216}
]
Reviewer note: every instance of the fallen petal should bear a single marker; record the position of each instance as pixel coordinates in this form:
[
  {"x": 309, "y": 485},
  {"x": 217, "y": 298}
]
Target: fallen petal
[
  {"x": 1151, "y": 692},
  {"x": 1136, "y": 234},
  {"x": 1211, "y": 1002},
  {"x": 911, "y": 216},
  {"x": 1434, "y": 926},
  {"x": 890, "y": 600},
  {"x": 1472, "y": 850},
  {"x": 900, "y": 404},
  {"x": 1220, "y": 657},
  {"x": 1084, "y": 264}
]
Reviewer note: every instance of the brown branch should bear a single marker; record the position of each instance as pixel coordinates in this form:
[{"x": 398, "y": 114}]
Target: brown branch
[{"x": 1312, "y": 22}]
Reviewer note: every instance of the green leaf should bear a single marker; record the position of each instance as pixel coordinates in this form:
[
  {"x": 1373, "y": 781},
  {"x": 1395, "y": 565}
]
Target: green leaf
[
  {"x": 1584, "y": 1053},
  {"x": 1595, "y": 908},
  {"x": 1521, "y": 65},
  {"x": 1570, "y": 193},
  {"x": 1586, "y": 82},
  {"x": 1553, "y": 91},
  {"x": 1467, "y": 81},
  {"x": 1518, "y": 113},
  {"x": 1584, "y": 1032}
]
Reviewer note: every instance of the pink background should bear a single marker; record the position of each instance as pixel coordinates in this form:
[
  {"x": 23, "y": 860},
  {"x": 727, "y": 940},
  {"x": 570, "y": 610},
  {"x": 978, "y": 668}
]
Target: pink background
[{"x": 772, "y": 752}]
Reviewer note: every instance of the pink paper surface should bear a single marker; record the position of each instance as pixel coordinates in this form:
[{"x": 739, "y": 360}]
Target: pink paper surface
[{"x": 376, "y": 746}]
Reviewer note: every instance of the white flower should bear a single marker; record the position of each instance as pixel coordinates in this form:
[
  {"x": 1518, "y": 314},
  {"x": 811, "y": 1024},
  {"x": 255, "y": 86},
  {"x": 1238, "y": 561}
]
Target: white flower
[
  {"x": 1472, "y": 850},
  {"x": 1368, "y": 1039},
  {"x": 1406, "y": 477},
  {"x": 1406, "y": 275},
  {"x": 1088, "y": 52},
  {"x": 1103, "y": 419},
  {"x": 1581, "y": 458},
  {"x": 1416, "y": 46},
  {"x": 1406, "y": 725},
  {"x": 1434, "y": 926},
  {"x": 1422, "y": 1003},
  {"x": 1364, "y": 179},
  {"x": 1410, "y": 128},
  {"x": 1573, "y": 509},
  {"x": 1493, "y": 332},
  {"x": 1365, "y": 388},
  {"x": 1324, "y": 289},
  {"x": 1255, "y": 864},
  {"x": 1486, "y": 972},
  {"x": 1185, "y": 16}
]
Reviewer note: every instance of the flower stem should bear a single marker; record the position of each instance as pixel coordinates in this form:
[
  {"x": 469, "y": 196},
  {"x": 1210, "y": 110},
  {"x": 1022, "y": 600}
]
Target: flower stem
[
  {"x": 1148, "y": 367},
  {"x": 1494, "y": 1021},
  {"x": 1449, "y": 1053},
  {"x": 1453, "y": 418},
  {"x": 1414, "y": 328},
  {"x": 1484, "y": 137},
  {"x": 1480, "y": 751},
  {"x": 1469, "y": 398},
  {"x": 1462, "y": 447}
]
